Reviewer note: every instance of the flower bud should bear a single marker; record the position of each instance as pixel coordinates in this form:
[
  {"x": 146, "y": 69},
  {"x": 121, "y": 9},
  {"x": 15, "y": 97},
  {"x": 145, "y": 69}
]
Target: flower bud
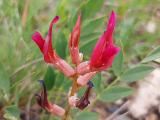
[
  {"x": 84, "y": 79},
  {"x": 63, "y": 66},
  {"x": 42, "y": 101},
  {"x": 84, "y": 100},
  {"x": 73, "y": 101},
  {"x": 83, "y": 68}
]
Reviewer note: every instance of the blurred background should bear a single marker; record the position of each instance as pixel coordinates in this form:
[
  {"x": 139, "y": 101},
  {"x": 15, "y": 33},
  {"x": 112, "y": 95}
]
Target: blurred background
[{"x": 21, "y": 63}]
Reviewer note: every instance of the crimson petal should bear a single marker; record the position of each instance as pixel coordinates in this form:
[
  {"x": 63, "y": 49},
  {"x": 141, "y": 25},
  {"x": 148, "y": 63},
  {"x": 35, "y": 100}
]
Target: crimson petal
[
  {"x": 49, "y": 53},
  {"x": 74, "y": 42},
  {"x": 38, "y": 39},
  {"x": 84, "y": 100},
  {"x": 42, "y": 97},
  {"x": 104, "y": 51}
]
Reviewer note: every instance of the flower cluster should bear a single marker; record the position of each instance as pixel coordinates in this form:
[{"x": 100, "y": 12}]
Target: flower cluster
[{"x": 101, "y": 58}]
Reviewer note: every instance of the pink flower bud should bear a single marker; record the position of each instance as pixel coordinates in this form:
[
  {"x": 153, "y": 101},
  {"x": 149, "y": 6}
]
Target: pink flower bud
[
  {"x": 84, "y": 79},
  {"x": 83, "y": 68},
  {"x": 64, "y": 67},
  {"x": 56, "y": 110},
  {"x": 73, "y": 101},
  {"x": 74, "y": 42}
]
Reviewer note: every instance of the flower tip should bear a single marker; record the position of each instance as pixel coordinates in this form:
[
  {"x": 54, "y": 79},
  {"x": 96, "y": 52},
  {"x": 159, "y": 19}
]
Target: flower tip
[
  {"x": 113, "y": 16},
  {"x": 38, "y": 39},
  {"x": 79, "y": 17},
  {"x": 112, "y": 19},
  {"x": 113, "y": 13},
  {"x": 41, "y": 82},
  {"x": 90, "y": 84},
  {"x": 43, "y": 85},
  {"x": 55, "y": 19},
  {"x": 35, "y": 35}
]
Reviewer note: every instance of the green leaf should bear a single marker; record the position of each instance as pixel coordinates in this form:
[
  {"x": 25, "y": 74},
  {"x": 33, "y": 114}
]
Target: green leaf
[
  {"x": 92, "y": 25},
  {"x": 34, "y": 7},
  {"x": 91, "y": 7},
  {"x": 12, "y": 112},
  {"x": 61, "y": 44},
  {"x": 4, "y": 79},
  {"x": 118, "y": 64},
  {"x": 155, "y": 54},
  {"x": 115, "y": 92},
  {"x": 49, "y": 78},
  {"x": 87, "y": 116},
  {"x": 136, "y": 73},
  {"x": 59, "y": 80},
  {"x": 87, "y": 46},
  {"x": 97, "y": 82},
  {"x": 87, "y": 37}
]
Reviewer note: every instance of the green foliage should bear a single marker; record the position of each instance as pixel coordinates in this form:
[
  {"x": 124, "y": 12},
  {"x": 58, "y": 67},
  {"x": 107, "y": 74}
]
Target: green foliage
[
  {"x": 20, "y": 67},
  {"x": 97, "y": 80},
  {"x": 49, "y": 78},
  {"x": 4, "y": 80},
  {"x": 12, "y": 112},
  {"x": 89, "y": 26},
  {"x": 155, "y": 54},
  {"x": 115, "y": 93},
  {"x": 90, "y": 8},
  {"x": 87, "y": 116},
  {"x": 61, "y": 44},
  {"x": 136, "y": 73},
  {"x": 118, "y": 64}
]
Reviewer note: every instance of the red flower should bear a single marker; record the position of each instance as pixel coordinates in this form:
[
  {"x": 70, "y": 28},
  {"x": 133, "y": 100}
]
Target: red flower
[
  {"x": 74, "y": 41},
  {"x": 105, "y": 50},
  {"x": 45, "y": 45},
  {"x": 49, "y": 53}
]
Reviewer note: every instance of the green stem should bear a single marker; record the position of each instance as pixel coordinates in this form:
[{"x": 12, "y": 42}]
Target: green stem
[{"x": 73, "y": 91}]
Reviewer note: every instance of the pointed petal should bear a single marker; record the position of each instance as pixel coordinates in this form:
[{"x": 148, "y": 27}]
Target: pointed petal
[
  {"x": 48, "y": 51},
  {"x": 38, "y": 39},
  {"x": 110, "y": 27},
  {"x": 75, "y": 35},
  {"x": 74, "y": 42}
]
